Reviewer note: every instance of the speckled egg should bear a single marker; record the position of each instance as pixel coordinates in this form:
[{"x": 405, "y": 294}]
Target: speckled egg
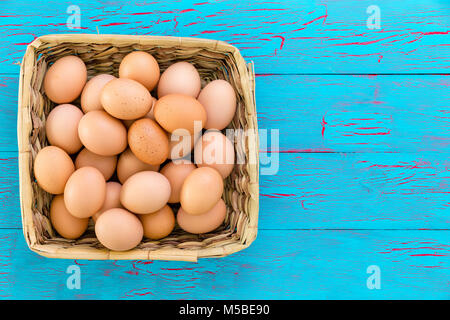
[{"x": 148, "y": 141}]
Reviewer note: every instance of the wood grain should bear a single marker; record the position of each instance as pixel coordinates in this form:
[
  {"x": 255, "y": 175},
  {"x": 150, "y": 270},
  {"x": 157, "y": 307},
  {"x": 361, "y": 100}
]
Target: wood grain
[
  {"x": 367, "y": 191},
  {"x": 395, "y": 113},
  {"x": 363, "y": 173},
  {"x": 9, "y": 191},
  {"x": 329, "y": 113},
  {"x": 281, "y": 37},
  {"x": 325, "y": 191},
  {"x": 279, "y": 265}
]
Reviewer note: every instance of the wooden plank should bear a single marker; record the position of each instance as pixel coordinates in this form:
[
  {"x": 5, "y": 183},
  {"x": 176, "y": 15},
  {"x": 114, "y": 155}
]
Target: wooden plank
[
  {"x": 279, "y": 265},
  {"x": 357, "y": 190},
  {"x": 325, "y": 191},
  {"x": 9, "y": 191},
  {"x": 328, "y": 113},
  {"x": 356, "y": 113},
  {"x": 9, "y": 88},
  {"x": 288, "y": 37}
]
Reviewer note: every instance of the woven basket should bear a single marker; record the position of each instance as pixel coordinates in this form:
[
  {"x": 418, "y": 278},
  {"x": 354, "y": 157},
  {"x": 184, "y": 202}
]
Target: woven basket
[{"x": 102, "y": 54}]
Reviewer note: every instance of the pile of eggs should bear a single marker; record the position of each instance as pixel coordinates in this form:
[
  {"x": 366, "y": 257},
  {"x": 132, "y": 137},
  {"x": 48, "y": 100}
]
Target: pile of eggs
[{"x": 127, "y": 160}]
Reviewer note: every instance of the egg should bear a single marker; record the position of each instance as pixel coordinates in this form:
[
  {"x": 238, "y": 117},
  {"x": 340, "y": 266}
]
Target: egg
[
  {"x": 181, "y": 78},
  {"x": 112, "y": 198},
  {"x": 215, "y": 150},
  {"x": 159, "y": 224},
  {"x": 219, "y": 100},
  {"x": 65, "y": 224},
  {"x": 85, "y": 192},
  {"x": 202, "y": 223},
  {"x": 52, "y": 169},
  {"x": 126, "y": 99},
  {"x": 105, "y": 164},
  {"x": 145, "y": 192},
  {"x": 90, "y": 96},
  {"x": 149, "y": 115},
  {"x": 201, "y": 190},
  {"x": 180, "y": 114},
  {"x": 119, "y": 230},
  {"x": 141, "y": 67},
  {"x": 61, "y": 127},
  {"x": 102, "y": 134},
  {"x": 65, "y": 79},
  {"x": 148, "y": 141},
  {"x": 128, "y": 165},
  {"x": 181, "y": 146},
  {"x": 176, "y": 173}
]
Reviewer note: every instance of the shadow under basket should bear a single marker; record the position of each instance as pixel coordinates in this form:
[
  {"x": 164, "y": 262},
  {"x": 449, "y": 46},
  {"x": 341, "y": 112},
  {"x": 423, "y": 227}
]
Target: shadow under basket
[{"x": 103, "y": 54}]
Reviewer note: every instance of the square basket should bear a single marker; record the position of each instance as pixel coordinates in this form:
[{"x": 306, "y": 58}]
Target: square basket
[{"x": 102, "y": 54}]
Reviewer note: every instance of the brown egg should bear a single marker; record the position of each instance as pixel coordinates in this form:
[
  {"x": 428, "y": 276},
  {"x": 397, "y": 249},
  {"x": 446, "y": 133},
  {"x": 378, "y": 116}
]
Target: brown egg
[
  {"x": 202, "y": 223},
  {"x": 176, "y": 173},
  {"x": 141, "y": 67},
  {"x": 65, "y": 79},
  {"x": 149, "y": 115},
  {"x": 119, "y": 230},
  {"x": 148, "y": 141},
  {"x": 126, "y": 99},
  {"x": 105, "y": 164},
  {"x": 219, "y": 100},
  {"x": 65, "y": 224},
  {"x": 112, "y": 198},
  {"x": 90, "y": 97},
  {"x": 180, "y": 114},
  {"x": 85, "y": 192},
  {"x": 52, "y": 169},
  {"x": 128, "y": 165},
  {"x": 102, "y": 134},
  {"x": 215, "y": 150},
  {"x": 181, "y": 146},
  {"x": 201, "y": 190},
  {"x": 61, "y": 127},
  {"x": 159, "y": 224},
  {"x": 145, "y": 192},
  {"x": 180, "y": 78}
]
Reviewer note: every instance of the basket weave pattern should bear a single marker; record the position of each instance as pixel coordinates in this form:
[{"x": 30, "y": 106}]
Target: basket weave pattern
[{"x": 103, "y": 54}]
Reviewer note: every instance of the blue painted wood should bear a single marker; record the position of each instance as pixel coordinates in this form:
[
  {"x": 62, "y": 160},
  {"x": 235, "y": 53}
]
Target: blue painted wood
[
  {"x": 279, "y": 265},
  {"x": 9, "y": 191},
  {"x": 366, "y": 152},
  {"x": 329, "y": 113},
  {"x": 395, "y": 113},
  {"x": 324, "y": 191},
  {"x": 289, "y": 36},
  {"x": 357, "y": 190}
]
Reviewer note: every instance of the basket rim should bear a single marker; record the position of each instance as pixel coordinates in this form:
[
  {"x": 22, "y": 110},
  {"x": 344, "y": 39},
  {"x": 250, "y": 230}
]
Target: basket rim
[
  {"x": 146, "y": 39},
  {"x": 246, "y": 73}
]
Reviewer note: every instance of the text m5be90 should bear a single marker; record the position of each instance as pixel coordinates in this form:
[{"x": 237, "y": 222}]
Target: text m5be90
[{"x": 243, "y": 309}]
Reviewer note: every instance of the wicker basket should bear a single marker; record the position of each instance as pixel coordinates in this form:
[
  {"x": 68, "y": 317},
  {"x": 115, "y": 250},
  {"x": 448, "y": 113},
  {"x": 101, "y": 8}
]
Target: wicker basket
[{"x": 102, "y": 54}]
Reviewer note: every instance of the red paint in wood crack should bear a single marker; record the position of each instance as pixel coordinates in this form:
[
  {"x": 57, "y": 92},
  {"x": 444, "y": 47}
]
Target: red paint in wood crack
[
  {"x": 187, "y": 10},
  {"x": 282, "y": 40},
  {"x": 114, "y": 24},
  {"x": 323, "y": 123},
  {"x": 211, "y": 31}
]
